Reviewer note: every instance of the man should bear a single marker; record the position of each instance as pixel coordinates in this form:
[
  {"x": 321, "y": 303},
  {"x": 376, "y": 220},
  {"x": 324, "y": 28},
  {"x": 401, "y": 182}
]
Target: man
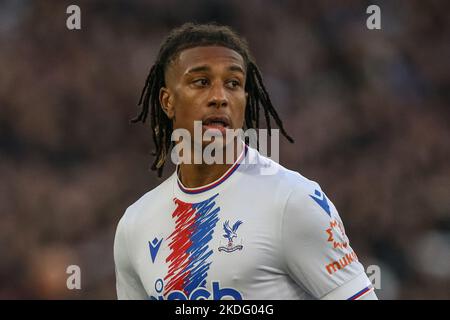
[{"x": 226, "y": 230}]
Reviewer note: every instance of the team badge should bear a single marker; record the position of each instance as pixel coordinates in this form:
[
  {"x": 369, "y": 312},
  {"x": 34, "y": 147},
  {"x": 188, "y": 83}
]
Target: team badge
[{"x": 230, "y": 234}]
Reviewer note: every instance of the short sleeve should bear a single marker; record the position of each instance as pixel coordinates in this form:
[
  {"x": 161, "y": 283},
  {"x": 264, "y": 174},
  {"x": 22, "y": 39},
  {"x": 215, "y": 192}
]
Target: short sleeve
[
  {"x": 128, "y": 284},
  {"x": 317, "y": 251}
]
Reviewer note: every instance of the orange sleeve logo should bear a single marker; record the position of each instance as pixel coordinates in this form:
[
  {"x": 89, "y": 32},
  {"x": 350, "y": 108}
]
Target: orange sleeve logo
[{"x": 336, "y": 235}]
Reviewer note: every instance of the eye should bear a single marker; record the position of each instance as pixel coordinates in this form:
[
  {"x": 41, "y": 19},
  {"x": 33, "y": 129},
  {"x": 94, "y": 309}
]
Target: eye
[
  {"x": 233, "y": 84},
  {"x": 202, "y": 82}
]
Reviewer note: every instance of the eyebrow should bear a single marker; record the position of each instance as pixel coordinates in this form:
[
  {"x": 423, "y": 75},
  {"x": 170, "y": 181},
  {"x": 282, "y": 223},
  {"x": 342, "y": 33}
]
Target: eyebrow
[{"x": 206, "y": 68}]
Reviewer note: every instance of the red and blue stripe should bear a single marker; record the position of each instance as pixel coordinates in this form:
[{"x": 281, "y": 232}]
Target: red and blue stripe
[
  {"x": 360, "y": 293},
  {"x": 188, "y": 261}
]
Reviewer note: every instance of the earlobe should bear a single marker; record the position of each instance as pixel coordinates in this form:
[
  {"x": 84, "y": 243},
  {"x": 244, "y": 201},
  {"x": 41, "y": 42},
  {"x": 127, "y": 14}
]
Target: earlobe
[{"x": 165, "y": 98}]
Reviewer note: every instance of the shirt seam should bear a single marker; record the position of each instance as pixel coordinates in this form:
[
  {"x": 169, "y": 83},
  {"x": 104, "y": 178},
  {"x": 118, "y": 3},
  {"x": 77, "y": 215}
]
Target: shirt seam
[{"x": 283, "y": 214}]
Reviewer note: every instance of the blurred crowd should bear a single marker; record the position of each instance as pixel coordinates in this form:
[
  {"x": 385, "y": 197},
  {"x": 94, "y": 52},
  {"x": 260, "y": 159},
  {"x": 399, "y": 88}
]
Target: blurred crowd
[{"x": 368, "y": 109}]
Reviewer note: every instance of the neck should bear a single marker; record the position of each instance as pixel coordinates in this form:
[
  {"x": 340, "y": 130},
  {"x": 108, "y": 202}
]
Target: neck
[{"x": 197, "y": 175}]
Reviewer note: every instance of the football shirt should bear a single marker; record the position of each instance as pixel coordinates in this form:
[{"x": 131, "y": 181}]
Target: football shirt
[{"x": 260, "y": 231}]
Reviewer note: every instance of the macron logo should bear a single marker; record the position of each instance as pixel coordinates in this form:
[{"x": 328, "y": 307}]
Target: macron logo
[
  {"x": 321, "y": 200},
  {"x": 154, "y": 248}
]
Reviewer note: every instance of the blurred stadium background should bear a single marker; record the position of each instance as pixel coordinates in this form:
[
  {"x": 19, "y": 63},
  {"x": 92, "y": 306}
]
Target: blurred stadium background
[{"x": 369, "y": 111}]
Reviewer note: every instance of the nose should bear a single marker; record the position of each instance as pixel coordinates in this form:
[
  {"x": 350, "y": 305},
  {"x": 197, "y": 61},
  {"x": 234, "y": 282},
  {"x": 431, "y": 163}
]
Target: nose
[{"x": 218, "y": 97}]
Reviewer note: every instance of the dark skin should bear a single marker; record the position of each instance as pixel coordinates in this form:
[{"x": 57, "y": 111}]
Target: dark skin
[{"x": 202, "y": 82}]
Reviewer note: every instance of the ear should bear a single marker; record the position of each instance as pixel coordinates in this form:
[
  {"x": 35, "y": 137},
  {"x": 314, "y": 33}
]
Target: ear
[{"x": 165, "y": 98}]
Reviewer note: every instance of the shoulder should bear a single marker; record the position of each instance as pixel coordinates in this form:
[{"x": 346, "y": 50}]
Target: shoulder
[
  {"x": 299, "y": 199},
  {"x": 148, "y": 203},
  {"x": 273, "y": 174}
]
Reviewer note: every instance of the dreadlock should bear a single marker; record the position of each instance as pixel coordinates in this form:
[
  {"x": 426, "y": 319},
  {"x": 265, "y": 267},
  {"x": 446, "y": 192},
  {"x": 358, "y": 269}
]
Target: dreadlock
[{"x": 192, "y": 35}]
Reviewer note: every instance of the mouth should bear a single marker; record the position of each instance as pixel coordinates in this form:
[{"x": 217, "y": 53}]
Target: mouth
[{"x": 216, "y": 122}]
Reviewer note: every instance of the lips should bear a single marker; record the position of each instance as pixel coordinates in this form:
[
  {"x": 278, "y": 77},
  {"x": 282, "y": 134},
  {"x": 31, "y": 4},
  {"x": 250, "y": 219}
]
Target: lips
[{"x": 216, "y": 121}]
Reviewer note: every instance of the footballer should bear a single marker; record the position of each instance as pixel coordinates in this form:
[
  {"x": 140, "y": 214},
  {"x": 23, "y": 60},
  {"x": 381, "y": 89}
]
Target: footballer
[{"x": 226, "y": 230}]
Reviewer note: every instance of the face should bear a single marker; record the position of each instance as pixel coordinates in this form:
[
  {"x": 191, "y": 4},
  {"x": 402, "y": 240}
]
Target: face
[{"x": 205, "y": 84}]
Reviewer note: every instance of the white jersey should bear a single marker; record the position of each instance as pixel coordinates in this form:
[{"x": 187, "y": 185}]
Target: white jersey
[{"x": 254, "y": 233}]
